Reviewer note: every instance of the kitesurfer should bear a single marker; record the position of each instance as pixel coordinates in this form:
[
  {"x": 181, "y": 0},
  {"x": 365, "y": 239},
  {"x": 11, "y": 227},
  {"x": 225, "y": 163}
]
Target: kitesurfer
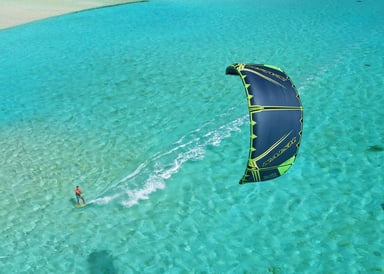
[{"x": 78, "y": 193}]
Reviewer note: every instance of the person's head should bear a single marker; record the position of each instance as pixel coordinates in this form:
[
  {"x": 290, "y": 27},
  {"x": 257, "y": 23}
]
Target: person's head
[{"x": 77, "y": 186}]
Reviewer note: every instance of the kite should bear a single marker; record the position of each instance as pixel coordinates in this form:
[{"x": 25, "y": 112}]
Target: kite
[{"x": 276, "y": 120}]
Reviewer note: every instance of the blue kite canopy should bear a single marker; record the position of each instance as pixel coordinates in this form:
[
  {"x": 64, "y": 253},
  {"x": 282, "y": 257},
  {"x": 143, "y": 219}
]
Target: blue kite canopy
[{"x": 276, "y": 120}]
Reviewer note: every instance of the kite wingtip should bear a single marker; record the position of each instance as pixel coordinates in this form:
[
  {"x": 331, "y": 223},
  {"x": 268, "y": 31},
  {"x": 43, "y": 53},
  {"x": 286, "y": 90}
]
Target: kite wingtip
[{"x": 231, "y": 70}]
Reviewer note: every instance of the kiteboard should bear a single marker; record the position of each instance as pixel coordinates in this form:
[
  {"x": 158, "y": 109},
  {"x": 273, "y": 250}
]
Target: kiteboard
[{"x": 81, "y": 205}]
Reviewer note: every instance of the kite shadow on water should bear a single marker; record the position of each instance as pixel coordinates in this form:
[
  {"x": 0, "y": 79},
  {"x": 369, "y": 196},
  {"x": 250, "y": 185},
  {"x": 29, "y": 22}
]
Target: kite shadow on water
[
  {"x": 375, "y": 148},
  {"x": 101, "y": 262}
]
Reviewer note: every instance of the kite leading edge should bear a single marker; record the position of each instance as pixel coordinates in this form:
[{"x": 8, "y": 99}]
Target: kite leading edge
[{"x": 276, "y": 120}]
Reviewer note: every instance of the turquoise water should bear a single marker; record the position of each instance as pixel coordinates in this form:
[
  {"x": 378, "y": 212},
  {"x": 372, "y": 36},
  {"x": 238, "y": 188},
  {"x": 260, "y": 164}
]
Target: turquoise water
[{"x": 131, "y": 103}]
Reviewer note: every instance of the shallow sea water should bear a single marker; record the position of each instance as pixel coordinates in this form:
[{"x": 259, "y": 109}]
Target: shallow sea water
[{"x": 131, "y": 103}]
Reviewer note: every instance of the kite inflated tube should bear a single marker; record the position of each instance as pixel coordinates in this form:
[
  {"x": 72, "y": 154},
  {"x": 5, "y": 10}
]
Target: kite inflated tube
[{"x": 276, "y": 120}]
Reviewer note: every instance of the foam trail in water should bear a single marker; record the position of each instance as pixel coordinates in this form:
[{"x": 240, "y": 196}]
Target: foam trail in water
[
  {"x": 190, "y": 148},
  {"x": 103, "y": 198},
  {"x": 161, "y": 167}
]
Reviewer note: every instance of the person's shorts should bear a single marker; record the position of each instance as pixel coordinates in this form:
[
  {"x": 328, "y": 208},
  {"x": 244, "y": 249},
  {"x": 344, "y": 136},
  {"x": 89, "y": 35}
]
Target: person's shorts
[{"x": 78, "y": 196}]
